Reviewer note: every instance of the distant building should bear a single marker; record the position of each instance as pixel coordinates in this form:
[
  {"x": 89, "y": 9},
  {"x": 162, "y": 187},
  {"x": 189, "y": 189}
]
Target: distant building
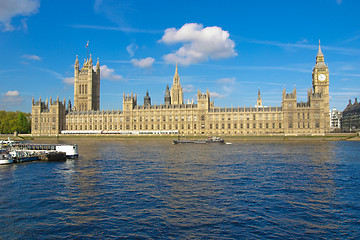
[
  {"x": 351, "y": 117},
  {"x": 176, "y": 117},
  {"x": 335, "y": 120}
]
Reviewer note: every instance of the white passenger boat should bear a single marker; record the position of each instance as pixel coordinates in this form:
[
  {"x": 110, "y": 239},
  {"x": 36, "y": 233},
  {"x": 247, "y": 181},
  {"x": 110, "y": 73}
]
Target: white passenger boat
[
  {"x": 205, "y": 141},
  {"x": 5, "y": 158},
  {"x": 70, "y": 150},
  {"x": 4, "y": 144}
]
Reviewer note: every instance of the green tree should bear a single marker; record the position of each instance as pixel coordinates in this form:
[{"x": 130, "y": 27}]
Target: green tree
[{"x": 14, "y": 121}]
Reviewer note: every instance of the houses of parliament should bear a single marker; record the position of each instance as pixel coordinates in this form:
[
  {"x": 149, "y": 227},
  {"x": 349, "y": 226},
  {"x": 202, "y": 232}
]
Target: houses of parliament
[{"x": 55, "y": 117}]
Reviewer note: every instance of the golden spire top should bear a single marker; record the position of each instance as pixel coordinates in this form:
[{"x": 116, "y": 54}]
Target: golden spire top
[
  {"x": 320, "y": 52},
  {"x": 176, "y": 76}
]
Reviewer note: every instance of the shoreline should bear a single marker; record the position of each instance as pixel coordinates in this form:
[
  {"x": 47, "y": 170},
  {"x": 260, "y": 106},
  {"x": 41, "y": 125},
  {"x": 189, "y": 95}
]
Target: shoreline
[{"x": 328, "y": 137}]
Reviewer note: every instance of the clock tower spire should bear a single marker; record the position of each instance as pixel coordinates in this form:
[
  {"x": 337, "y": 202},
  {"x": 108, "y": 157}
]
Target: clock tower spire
[{"x": 320, "y": 75}]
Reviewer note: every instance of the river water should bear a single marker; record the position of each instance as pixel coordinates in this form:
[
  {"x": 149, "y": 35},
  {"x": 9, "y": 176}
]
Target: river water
[{"x": 157, "y": 190}]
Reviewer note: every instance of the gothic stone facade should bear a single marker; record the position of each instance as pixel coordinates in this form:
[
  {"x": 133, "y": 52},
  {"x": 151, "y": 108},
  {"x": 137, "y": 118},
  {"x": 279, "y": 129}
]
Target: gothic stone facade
[
  {"x": 350, "y": 121},
  {"x": 176, "y": 117}
]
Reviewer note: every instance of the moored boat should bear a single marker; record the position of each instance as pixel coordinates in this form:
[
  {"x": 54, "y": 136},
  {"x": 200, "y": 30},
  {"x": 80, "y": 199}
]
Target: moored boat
[
  {"x": 71, "y": 151},
  {"x": 5, "y": 158},
  {"x": 204, "y": 141}
]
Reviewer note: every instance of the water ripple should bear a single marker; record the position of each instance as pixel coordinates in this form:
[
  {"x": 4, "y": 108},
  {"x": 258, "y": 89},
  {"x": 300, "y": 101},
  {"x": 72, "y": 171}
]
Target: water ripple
[{"x": 156, "y": 190}]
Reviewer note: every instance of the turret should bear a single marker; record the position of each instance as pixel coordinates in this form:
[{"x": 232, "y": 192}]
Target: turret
[
  {"x": 147, "y": 100},
  {"x": 69, "y": 106},
  {"x": 167, "y": 99},
  {"x": 98, "y": 67},
  {"x": 284, "y": 93},
  {"x": 203, "y": 99},
  {"x": 259, "y": 101}
]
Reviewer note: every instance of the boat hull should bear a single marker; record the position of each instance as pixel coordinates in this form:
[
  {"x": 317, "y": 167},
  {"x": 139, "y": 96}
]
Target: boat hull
[
  {"x": 5, "y": 161},
  {"x": 206, "y": 141}
]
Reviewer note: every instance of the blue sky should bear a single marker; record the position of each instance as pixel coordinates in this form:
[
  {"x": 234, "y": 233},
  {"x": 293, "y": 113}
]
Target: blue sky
[{"x": 231, "y": 48}]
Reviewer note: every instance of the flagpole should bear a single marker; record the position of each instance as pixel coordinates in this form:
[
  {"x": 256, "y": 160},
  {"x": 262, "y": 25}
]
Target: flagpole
[{"x": 87, "y": 47}]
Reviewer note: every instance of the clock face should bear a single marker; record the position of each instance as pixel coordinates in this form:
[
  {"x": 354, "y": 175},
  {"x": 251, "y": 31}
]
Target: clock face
[{"x": 322, "y": 77}]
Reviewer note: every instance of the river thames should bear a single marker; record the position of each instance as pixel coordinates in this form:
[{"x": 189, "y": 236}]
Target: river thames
[{"x": 157, "y": 190}]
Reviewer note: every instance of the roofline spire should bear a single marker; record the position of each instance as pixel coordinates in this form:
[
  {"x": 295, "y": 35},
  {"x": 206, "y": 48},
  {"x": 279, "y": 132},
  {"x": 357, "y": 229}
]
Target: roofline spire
[{"x": 320, "y": 52}]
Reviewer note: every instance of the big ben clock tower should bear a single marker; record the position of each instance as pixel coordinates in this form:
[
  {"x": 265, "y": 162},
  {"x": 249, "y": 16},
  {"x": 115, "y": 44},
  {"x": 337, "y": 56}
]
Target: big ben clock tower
[{"x": 320, "y": 81}]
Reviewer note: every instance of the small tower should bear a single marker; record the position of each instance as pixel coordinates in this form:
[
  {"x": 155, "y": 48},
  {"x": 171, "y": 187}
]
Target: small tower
[
  {"x": 147, "y": 100},
  {"x": 69, "y": 108},
  {"x": 203, "y": 100},
  {"x": 176, "y": 91},
  {"x": 167, "y": 99},
  {"x": 129, "y": 102},
  {"x": 259, "y": 101}
]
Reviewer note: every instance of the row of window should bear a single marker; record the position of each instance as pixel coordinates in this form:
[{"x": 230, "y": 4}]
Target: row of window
[
  {"x": 176, "y": 126},
  {"x": 303, "y": 125},
  {"x": 169, "y": 118}
]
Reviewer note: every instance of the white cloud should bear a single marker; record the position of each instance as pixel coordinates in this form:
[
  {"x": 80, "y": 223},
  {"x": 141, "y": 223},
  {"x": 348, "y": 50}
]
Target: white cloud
[
  {"x": 216, "y": 95},
  {"x": 131, "y": 49},
  {"x": 31, "y": 57},
  {"x": 69, "y": 80},
  {"x": 108, "y": 73},
  {"x": 199, "y": 44},
  {"x": 188, "y": 88},
  {"x": 12, "y": 8},
  {"x": 12, "y": 94},
  {"x": 230, "y": 81},
  {"x": 143, "y": 63},
  {"x": 11, "y": 99}
]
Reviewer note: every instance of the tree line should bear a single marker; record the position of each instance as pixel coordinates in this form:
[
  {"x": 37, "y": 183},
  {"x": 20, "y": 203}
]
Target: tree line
[{"x": 15, "y": 121}]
